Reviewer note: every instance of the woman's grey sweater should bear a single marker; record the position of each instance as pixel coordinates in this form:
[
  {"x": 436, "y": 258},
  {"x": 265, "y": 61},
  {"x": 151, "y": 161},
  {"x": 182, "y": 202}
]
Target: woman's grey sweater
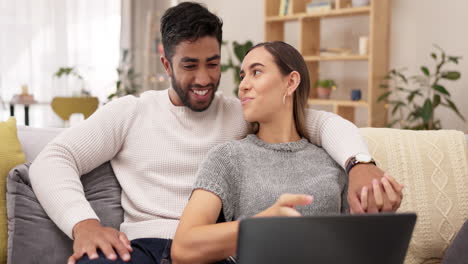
[{"x": 249, "y": 175}]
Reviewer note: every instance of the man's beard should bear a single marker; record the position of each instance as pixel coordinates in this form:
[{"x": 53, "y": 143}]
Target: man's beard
[{"x": 185, "y": 97}]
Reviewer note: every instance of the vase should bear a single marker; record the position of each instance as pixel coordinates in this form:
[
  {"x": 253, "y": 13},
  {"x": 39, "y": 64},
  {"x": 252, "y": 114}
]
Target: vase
[{"x": 323, "y": 93}]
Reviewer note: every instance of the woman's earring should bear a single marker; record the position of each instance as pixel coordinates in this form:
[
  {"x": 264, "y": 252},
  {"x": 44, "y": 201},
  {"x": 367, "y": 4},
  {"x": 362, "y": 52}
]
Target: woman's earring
[{"x": 284, "y": 99}]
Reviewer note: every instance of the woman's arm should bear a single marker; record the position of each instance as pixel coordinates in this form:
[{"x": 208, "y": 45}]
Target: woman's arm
[{"x": 198, "y": 238}]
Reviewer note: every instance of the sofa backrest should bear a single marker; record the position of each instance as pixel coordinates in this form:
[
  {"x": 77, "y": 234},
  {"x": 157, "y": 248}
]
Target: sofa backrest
[{"x": 33, "y": 140}]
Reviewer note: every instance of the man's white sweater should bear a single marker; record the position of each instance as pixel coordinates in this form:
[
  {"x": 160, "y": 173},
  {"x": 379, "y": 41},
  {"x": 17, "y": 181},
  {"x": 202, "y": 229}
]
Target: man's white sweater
[{"x": 155, "y": 149}]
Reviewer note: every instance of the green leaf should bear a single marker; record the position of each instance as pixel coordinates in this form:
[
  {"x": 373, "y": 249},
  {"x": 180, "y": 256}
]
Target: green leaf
[
  {"x": 403, "y": 77},
  {"x": 237, "y": 79},
  {"x": 436, "y": 100},
  {"x": 384, "y": 96},
  {"x": 451, "y": 75},
  {"x": 241, "y": 49},
  {"x": 441, "y": 89},
  {"x": 426, "y": 112},
  {"x": 425, "y": 70},
  {"x": 412, "y": 116},
  {"x": 412, "y": 95},
  {"x": 224, "y": 67},
  {"x": 434, "y": 56},
  {"x": 454, "y": 108},
  {"x": 394, "y": 122},
  {"x": 454, "y": 59},
  {"x": 396, "y": 107}
]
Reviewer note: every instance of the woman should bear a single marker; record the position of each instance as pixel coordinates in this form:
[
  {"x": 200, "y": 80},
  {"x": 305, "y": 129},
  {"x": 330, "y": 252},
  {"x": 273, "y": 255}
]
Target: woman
[{"x": 253, "y": 176}]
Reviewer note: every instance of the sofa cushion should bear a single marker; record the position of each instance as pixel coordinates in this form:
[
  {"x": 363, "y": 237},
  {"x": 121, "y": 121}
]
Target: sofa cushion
[
  {"x": 31, "y": 234},
  {"x": 10, "y": 156},
  {"x": 433, "y": 166}
]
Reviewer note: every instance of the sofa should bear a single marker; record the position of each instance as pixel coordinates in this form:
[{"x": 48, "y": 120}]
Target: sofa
[{"x": 435, "y": 193}]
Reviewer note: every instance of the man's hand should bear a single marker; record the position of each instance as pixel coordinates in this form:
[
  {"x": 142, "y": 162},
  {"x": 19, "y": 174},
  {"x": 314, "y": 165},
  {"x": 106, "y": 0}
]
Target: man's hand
[
  {"x": 284, "y": 206},
  {"x": 371, "y": 190},
  {"x": 90, "y": 235}
]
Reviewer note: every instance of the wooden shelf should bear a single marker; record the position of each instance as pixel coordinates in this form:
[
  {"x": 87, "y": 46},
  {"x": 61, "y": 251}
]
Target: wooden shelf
[
  {"x": 338, "y": 102},
  {"x": 310, "y": 34},
  {"x": 353, "y": 57},
  {"x": 332, "y": 13}
]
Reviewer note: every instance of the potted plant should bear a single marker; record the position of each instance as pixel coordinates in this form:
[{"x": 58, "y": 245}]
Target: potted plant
[
  {"x": 72, "y": 71},
  {"x": 127, "y": 81},
  {"x": 324, "y": 88},
  {"x": 414, "y": 99},
  {"x": 239, "y": 51}
]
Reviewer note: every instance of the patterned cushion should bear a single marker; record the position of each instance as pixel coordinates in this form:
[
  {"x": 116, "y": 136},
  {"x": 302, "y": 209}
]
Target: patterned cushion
[{"x": 433, "y": 166}]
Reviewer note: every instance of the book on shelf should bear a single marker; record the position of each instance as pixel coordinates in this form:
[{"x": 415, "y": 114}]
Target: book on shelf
[
  {"x": 318, "y": 7},
  {"x": 285, "y": 8},
  {"x": 334, "y": 52}
]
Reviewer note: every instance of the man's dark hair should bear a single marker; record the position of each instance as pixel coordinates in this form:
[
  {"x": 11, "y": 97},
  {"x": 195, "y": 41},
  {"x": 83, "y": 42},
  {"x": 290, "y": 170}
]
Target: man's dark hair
[{"x": 188, "y": 21}]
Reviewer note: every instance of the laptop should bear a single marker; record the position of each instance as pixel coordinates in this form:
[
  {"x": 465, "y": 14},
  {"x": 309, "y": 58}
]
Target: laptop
[{"x": 350, "y": 239}]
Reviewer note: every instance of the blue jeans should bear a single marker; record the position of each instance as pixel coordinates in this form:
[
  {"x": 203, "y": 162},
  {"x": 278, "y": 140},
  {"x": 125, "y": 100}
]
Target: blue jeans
[{"x": 145, "y": 251}]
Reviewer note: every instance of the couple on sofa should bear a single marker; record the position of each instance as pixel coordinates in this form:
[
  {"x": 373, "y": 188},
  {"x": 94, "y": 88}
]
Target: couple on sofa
[{"x": 165, "y": 144}]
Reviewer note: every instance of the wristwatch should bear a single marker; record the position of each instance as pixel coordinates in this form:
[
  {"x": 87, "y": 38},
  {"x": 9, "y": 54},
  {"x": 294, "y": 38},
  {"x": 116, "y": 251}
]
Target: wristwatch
[{"x": 358, "y": 159}]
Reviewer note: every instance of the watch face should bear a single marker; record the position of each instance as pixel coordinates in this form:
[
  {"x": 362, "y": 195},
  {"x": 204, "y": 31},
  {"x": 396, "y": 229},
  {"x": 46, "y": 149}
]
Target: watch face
[{"x": 363, "y": 158}]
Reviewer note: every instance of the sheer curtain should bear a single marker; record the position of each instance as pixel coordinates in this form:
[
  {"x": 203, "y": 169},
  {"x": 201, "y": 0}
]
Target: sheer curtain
[{"x": 39, "y": 36}]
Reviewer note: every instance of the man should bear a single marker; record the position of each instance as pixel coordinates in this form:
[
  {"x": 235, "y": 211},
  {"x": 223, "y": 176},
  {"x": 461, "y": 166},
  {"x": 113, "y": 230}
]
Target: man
[{"x": 156, "y": 142}]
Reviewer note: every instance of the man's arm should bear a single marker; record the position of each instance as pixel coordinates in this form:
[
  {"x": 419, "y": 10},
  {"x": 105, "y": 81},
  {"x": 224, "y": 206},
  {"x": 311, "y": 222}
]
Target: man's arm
[
  {"x": 55, "y": 174},
  {"x": 342, "y": 140}
]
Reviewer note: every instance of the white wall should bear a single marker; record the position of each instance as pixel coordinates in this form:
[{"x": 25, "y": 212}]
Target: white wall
[
  {"x": 415, "y": 26},
  {"x": 242, "y": 21}
]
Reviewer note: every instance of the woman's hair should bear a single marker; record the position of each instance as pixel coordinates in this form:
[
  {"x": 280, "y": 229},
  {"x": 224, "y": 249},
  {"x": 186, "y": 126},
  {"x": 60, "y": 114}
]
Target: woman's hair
[{"x": 288, "y": 59}]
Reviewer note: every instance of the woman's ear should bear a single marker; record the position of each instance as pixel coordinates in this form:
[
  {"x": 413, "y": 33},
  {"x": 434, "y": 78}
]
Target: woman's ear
[
  {"x": 294, "y": 79},
  {"x": 167, "y": 65}
]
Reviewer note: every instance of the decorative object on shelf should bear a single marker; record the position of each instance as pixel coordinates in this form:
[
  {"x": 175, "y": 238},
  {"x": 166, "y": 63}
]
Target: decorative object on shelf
[
  {"x": 363, "y": 45},
  {"x": 339, "y": 4},
  {"x": 414, "y": 99},
  {"x": 357, "y": 3},
  {"x": 356, "y": 95},
  {"x": 72, "y": 71},
  {"x": 126, "y": 84},
  {"x": 285, "y": 7},
  {"x": 324, "y": 88},
  {"x": 334, "y": 51},
  {"x": 239, "y": 51},
  {"x": 318, "y": 7}
]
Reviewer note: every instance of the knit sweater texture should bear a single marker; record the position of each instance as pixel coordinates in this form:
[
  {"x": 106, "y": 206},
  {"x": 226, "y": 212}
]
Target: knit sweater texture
[
  {"x": 249, "y": 176},
  {"x": 155, "y": 149}
]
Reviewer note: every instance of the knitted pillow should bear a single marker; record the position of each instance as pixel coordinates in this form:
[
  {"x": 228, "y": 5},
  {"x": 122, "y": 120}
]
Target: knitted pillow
[
  {"x": 433, "y": 166},
  {"x": 33, "y": 235},
  {"x": 10, "y": 156}
]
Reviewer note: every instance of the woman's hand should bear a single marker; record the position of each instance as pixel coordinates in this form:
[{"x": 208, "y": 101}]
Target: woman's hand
[
  {"x": 392, "y": 188},
  {"x": 284, "y": 206}
]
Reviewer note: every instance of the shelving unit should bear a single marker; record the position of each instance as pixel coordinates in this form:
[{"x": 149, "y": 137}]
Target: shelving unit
[{"x": 309, "y": 46}]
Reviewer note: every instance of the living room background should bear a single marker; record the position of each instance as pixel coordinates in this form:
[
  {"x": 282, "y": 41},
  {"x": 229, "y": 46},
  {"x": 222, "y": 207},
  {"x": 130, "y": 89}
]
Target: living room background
[{"x": 415, "y": 26}]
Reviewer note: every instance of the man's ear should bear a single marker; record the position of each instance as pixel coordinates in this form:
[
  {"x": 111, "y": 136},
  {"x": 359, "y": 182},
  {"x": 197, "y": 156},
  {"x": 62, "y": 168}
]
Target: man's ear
[
  {"x": 294, "y": 79},
  {"x": 167, "y": 65}
]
